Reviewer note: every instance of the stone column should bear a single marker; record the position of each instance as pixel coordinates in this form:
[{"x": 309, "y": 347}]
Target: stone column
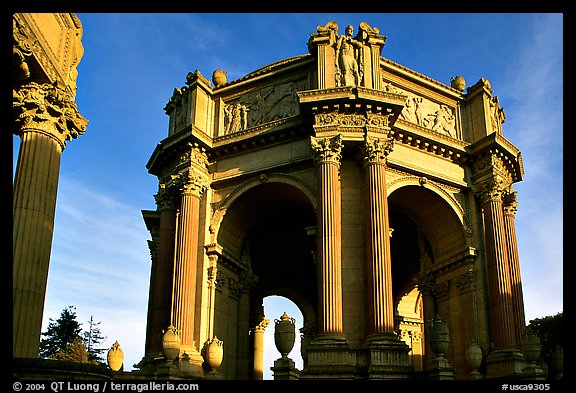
[
  {"x": 499, "y": 290},
  {"x": 510, "y": 205},
  {"x": 258, "y": 331},
  {"x": 379, "y": 267},
  {"x": 160, "y": 293},
  {"x": 191, "y": 189},
  {"x": 327, "y": 156},
  {"x": 45, "y": 117}
]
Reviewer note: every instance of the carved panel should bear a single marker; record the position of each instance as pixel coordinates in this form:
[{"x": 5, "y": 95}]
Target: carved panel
[{"x": 262, "y": 106}]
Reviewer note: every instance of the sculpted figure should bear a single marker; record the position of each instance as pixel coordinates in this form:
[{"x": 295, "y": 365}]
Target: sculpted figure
[
  {"x": 445, "y": 121},
  {"x": 348, "y": 64}
]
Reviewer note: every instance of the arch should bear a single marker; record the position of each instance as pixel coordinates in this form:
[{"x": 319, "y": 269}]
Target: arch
[
  {"x": 437, "y": 214},
  {"x": 255, "y": 181}
]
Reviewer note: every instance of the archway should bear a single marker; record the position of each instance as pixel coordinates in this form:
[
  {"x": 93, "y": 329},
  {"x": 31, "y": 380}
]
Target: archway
[
  {"x": 270, "y": 229},
  {"x": 426, "y": 230}
]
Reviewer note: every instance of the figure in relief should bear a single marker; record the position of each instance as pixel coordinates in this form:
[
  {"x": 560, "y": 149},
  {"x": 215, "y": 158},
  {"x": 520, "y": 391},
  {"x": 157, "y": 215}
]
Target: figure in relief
[
  {"x": 348, "y": 59},
  {"x": 445, "y": 121},
  {"x": 236, "y": 115}
]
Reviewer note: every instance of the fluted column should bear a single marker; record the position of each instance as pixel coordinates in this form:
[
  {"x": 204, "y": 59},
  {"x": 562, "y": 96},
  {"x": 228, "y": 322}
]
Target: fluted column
[
  {"x": 160, "y": 293},
  {"x": 258, "y": 331},
  {"x": 191, "y": 189},
  {"x": 510, "y": 205},
  {"x": 327, "y": 156},
  {"x": 499, "y": 290},
  {"x": 45, "y": 118},
  {"x": 379, "y": 267}
]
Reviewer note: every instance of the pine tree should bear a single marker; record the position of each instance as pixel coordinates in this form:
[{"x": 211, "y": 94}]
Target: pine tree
[
  {"x": 91, "y": 338},
  {"x": 74, "y": 352},
  {"x": 60, "y": 333}
]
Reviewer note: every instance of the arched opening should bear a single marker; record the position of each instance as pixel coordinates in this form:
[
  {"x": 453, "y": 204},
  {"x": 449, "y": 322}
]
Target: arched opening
[
  {"x": 274, "y": 307},
  {"x": 270, "y": 229},
  {"x": 426, "y": 230}
]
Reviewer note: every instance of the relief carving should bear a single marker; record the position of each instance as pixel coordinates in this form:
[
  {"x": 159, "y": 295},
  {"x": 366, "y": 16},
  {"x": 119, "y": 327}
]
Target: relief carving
[
  {"x": 266, "y": 105},
  {"x": 425, "y": 113}
]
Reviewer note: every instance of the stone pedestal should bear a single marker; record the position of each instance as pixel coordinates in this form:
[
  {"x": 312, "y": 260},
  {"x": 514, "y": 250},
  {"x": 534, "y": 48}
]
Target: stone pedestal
[
  {"x": 505, "y": 362},
  {"x": 388, "y": 357},
  {"x": 285, "y": 369}
]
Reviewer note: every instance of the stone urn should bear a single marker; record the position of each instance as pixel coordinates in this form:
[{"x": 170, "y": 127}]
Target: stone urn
[
  {"x": 531, "y": 347},
  {"x": 115, "y": 357},
  {"x": 219, "y": 77},
  {"x": 458, "y": 82},
  {"x": 557, "y": 362},
  {"x": 439, "y": 337},
  {"x": 284, "y": 334},
  {"x": 473, "y": 356},
  {"x": 170, "y": 343},
  {"x": 214, "y": 354}
]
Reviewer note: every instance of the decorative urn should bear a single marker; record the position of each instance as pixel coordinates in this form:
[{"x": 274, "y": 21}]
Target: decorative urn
[
  {"x": 532, "y": 347},
  {"x": 473, "y": 357},
  {"x": 458, "y": 82},
  {"x": 284, "y": 334},
  {"x": 170, "y": 343},
  {"x": 219, "y": 77},
  {"x": 115, "y": 357},
  {"x": 214, "y": 353},
  {"x": 439, "y": 336}
]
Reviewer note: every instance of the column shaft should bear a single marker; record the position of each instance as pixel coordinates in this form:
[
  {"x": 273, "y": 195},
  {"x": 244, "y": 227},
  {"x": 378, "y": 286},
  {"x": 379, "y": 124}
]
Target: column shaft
[
  {"x": 379, "y": 268},
  {"x": 500, "y": 293},
  {"x": 34, "y": 205},
  {"x": 161, "y": 280},
  {"x": 185, "y": 273},
  {"x": 258, "y": 331},
  {"x": 327, "y": 156},
  {"x": 329, "y": 223},
  {"x": 515, "y": 277}
]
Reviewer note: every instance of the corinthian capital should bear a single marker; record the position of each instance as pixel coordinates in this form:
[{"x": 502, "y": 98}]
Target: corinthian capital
[
  {"x": 166, "y": 198},
  {"x": 510, "y": 202},
  {"x": 261, "y": 326},
  {"x": 490, "y": 190},
  {"x": 47, "y": 109},
  {"x": 327, "y": 149},
  {"x": 191, "y": 183},
  {"x": 376, "y": 150}
]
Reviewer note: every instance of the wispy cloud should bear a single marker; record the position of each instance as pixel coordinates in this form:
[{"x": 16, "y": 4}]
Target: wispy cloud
[
  {"x": 535, "y": 125},
  {"x": 100, "y": 264}
]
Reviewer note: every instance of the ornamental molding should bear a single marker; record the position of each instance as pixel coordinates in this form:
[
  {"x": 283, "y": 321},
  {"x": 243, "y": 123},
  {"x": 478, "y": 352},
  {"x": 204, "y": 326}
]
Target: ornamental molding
[{"x": 49, "y": 110}]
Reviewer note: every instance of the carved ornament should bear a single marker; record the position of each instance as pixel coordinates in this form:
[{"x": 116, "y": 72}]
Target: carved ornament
[
  {"x": 376, "y": 150},
  {"x": 327, "y": 149},
  {"x": 47, "y": 109}
]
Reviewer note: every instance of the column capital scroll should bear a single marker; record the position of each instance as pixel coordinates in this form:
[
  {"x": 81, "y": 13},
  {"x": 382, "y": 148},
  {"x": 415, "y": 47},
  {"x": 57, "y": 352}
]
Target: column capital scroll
[
  {"x": 491, "y": 190},
  {"x": 191, "y": 183},
  {"x": 261, "y": 326},
  {"x": 165, "y": 198}
]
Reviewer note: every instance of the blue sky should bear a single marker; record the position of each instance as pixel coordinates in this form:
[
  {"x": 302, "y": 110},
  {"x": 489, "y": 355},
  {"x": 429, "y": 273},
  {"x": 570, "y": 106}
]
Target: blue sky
[{"x": 132, "y": 63}]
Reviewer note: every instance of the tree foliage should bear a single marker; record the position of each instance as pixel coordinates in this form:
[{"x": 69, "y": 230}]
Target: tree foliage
[
  {"x": 551, "y": 333},
  {"x": 60, "y": 333},
  {"x": 65, "y": 340}
]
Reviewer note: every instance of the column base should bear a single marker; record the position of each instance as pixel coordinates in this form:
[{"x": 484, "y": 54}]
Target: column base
[
  {"x": 387, "y": 357},
  {"x": 188, "y": 365},
  {"x": 329, "y": 357},
  {"x": 505, "y": 363}
]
